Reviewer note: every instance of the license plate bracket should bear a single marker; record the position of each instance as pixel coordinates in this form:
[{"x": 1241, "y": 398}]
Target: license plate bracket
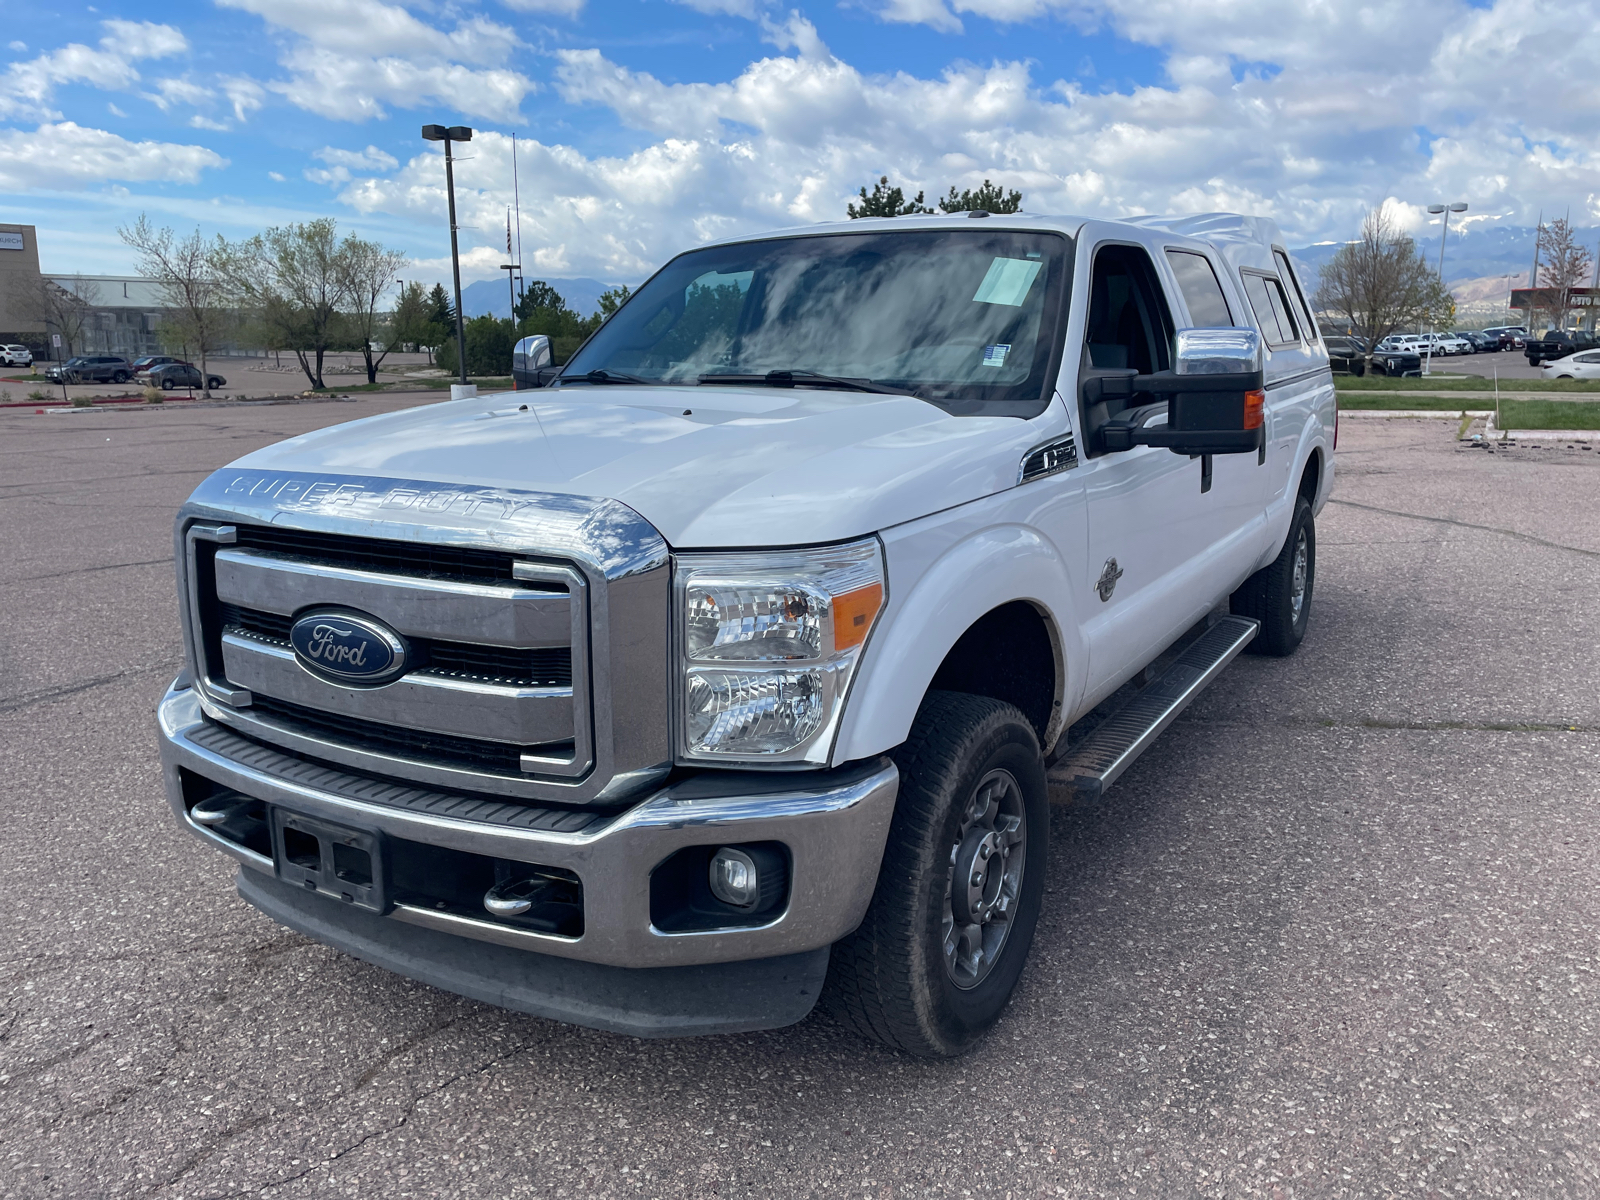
[{"x": 338, "y": 861}]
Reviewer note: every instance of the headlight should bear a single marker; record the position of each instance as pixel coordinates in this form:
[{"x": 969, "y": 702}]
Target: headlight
[{"x": 768, "y": 643}]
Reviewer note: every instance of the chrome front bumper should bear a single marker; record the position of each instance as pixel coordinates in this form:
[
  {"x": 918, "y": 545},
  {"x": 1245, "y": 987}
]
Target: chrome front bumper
[{"x": 833, "y": 824}]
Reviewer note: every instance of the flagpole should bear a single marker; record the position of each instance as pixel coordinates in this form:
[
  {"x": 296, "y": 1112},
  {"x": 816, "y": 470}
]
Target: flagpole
[{"x": 516, "y": 196}]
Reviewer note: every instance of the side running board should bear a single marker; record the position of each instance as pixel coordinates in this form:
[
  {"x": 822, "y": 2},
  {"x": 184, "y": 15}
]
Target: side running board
[{"x": 1095, "y": 763}]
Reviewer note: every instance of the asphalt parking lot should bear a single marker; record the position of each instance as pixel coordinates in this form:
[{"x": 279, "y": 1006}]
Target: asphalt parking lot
[{"x": 1337, "y": 934}]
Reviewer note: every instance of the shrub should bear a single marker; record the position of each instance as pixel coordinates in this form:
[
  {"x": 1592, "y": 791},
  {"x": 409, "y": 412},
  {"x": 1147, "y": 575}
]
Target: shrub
[
  {"x": 38, "y": 394},
  {"x": 152, "y": 395},
  {"x": 82, "y": 402}
]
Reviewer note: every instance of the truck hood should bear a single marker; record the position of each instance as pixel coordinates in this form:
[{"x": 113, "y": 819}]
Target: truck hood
[{"x": 708, "y": 467}]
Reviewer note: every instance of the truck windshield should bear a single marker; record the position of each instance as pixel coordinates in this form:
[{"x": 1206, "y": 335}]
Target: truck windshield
[{"x": 966, "y": 319}]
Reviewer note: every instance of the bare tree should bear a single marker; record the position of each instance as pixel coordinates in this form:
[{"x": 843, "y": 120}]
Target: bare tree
[
  {"x": 369, "y": 272},
  {"x": 63, "y": 309},
  {"x": 1380, "y": 283},
  {"x": 190, "y": 275},
  {"x": 293, "y": 277},
  {"x": 1565, "y": 263}
]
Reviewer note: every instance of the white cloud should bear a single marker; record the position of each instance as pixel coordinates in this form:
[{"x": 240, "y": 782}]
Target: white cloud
[
  {"x": 275, "y": 177},
  {"x": 245, "y": 94},
  {"x": 19, "y": 47},
  {"x": 560, "y": 8},
  {"x": 66, "y": 156},
  {"x": 1327, "y": 127},
  {"x": 172, "y": 90},
  {"x": 370, "y": 159},
  {"x": 202, "y": 122},
  {"x": 27, "y": 88},
  {"x": 353, "y": 60},
  {"x": 114, "y": 110}
]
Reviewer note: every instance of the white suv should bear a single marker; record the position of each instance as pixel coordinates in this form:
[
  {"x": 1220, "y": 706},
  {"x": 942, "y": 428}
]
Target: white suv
[{"x": 16, "y": 356}]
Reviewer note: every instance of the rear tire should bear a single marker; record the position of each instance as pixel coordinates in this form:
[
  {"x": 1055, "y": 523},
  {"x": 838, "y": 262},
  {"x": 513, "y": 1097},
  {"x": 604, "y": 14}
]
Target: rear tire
[
  {"x": 932, "y": 965},
  {"x": 1279, "y": 595}
]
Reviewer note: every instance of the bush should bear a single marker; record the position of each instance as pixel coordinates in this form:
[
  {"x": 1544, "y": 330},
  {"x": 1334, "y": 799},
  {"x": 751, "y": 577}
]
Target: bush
[
  {"x": 152, "y": 395},
  {"x": 489, "y": 342},
  {"x": 82, "y": 402},
  {"x": 38, "y": 394}
]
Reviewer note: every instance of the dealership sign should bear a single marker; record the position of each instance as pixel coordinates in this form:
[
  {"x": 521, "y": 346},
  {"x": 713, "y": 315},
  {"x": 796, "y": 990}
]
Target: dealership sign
[{"x": 1550, "y": 298}]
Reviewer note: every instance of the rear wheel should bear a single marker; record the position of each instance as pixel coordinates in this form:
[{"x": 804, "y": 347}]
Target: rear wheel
[
  {"x": 1279, "y": 595},
  {"x": 120, "y": 377},
  {"x": 944, "y": 941}
]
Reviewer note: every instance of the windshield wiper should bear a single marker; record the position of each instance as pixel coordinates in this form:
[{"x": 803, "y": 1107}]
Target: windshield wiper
[
  {"x": 608, "y": 377},
  {"x": 791, "y": 378}
]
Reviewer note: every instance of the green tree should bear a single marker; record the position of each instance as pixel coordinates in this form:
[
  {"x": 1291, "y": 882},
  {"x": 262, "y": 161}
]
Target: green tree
[
  {"x": 885, "y": 201},
  {"x": 1564, "y": 264},
  {"x": 987, "y": 198},
  {"x": 1381, "y": 283},
  {"x": 542, "y": 309},
  {"x": 190, "y": 274},
  {"x": 489, "y": 342},
  {"x": 294, "y": 276},
  {"x": 408, "y": 323},
  {"x": 369, "y": 272},
  {"x": 613, "y": 299}
]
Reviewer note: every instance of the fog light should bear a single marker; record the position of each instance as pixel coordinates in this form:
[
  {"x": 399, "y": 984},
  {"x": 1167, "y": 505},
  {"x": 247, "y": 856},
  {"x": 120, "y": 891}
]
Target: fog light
[{"x": 734, "y": 878}]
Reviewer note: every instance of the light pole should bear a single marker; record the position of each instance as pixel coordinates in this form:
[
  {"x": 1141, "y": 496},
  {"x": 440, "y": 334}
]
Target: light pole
[
  {"x": 1436, "y": 209},
  {"x": 455, "y": 133}
]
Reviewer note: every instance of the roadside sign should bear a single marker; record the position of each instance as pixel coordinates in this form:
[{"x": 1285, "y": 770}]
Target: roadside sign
[{"x": 55, "y": 340}]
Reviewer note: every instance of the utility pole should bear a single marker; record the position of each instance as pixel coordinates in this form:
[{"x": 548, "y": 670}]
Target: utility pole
[
  {"x": 1533, "y": 274},
  {"x": 455, "y": 133}
]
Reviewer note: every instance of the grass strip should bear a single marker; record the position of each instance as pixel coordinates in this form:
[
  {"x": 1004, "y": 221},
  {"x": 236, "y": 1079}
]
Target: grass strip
[
  {"x": 1385, "y": 383},
  {"x": 1548, "y": 414}
]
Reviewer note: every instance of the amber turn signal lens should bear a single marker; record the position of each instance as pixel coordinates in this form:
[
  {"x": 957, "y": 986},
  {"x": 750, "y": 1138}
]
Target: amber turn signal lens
[
  {"x": 853, "y": 613},
  {"x": 1254, "y": 402}
]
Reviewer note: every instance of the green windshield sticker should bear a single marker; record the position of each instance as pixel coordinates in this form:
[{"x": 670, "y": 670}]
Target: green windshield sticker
[{"x": 1007, "y": 281}]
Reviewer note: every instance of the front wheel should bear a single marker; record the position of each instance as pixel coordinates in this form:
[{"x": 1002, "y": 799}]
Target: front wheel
[
  {"x": 1279, "y": 595},
  {"x": 167, "y": 385},
  {"x": 944, "y": 941}
]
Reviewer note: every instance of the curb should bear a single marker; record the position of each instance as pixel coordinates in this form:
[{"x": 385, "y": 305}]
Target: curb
[
  {"x": 1451, "y": 414},
  {"x": 1492, "y": 433}
]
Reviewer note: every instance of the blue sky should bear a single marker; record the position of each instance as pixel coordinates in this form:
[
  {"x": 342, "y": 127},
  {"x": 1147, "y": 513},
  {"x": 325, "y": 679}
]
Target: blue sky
[{"x": 644, "y": 126}]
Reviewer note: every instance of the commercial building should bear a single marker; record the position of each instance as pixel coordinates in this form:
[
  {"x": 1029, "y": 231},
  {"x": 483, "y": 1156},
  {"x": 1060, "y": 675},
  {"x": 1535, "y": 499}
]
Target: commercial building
[{"x": 20, "y": 321}]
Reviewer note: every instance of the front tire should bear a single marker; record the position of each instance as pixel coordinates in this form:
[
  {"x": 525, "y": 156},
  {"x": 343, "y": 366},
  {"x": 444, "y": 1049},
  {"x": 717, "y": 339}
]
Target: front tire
[
  {"x": 944, "y": 941},
  {"x": 167, "y": 385},
  {"x": 1279, "y": 595}
]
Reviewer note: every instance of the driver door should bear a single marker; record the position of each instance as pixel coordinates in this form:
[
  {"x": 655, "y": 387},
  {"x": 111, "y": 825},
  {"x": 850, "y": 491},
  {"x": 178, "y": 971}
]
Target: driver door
[{"x": 1154, "y": 535}]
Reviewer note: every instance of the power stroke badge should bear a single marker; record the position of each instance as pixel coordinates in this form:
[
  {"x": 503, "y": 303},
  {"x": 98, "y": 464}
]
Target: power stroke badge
[{"x": 346, "y": 647}]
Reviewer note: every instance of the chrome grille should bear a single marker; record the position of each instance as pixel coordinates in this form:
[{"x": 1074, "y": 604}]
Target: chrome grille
[
  {"x": 546, "y": 667},
  {"x": 535, "y": 626}
]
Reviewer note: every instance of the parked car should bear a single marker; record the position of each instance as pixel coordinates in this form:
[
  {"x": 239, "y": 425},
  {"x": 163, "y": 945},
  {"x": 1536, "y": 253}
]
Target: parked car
[
  {"x": 16, "y": 356},
  {"x": 1583, "y": 365},
  {"x": 1346, "y": 355},
  {"x": 151, "y": 361},
  {"x": 1556, "y": 343},
  {"x": 1405, "y": 343},
  {"x": 1481, "y": 343},
  {"x": 90, "y": 368},
  {"x": 1396, "y": 362},
  {"x": 1510, "y": 337},
  {"x": 176, "y": 375},
  {"x": 671, "y": 725}
]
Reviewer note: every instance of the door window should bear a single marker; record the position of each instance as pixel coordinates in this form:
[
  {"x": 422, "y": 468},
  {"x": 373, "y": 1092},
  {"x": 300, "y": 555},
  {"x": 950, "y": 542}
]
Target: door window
[
  {"x": 1129, "y": 323},
  {"x": 1197, "y": 280},
  {"x": 1296, "y": 296},
  {"x": 1272, "y": 309}
]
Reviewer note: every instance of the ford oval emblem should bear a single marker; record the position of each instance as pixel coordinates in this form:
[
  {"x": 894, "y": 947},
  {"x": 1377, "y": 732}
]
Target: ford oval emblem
[{"x": 347, "y": 647}]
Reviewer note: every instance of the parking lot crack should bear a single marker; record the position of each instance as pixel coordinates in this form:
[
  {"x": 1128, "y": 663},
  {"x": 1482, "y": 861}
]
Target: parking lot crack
[
  {"x": 31, "y": 699},
  {"x": 1510, "y": 533}
]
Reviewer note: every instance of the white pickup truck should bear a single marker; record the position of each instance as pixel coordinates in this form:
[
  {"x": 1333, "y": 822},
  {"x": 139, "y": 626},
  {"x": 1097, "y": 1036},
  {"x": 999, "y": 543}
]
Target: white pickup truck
[{"x": 731, "y": 670}]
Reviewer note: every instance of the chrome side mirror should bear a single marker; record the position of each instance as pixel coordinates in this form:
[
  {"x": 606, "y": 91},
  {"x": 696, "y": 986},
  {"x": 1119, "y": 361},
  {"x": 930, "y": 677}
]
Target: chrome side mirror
[
  {"x": 1226, "y": 351},
  {"x": 527, "y": 357}
]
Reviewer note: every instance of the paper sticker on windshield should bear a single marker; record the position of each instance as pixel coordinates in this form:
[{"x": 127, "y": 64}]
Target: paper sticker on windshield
[
  {"x": 1008, "y": 281},
  {"x": 995, "y": 356}
]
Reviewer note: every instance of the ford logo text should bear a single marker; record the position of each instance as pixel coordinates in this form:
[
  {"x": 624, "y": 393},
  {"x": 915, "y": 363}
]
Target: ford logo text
[{"x": 346, "y": 647}]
